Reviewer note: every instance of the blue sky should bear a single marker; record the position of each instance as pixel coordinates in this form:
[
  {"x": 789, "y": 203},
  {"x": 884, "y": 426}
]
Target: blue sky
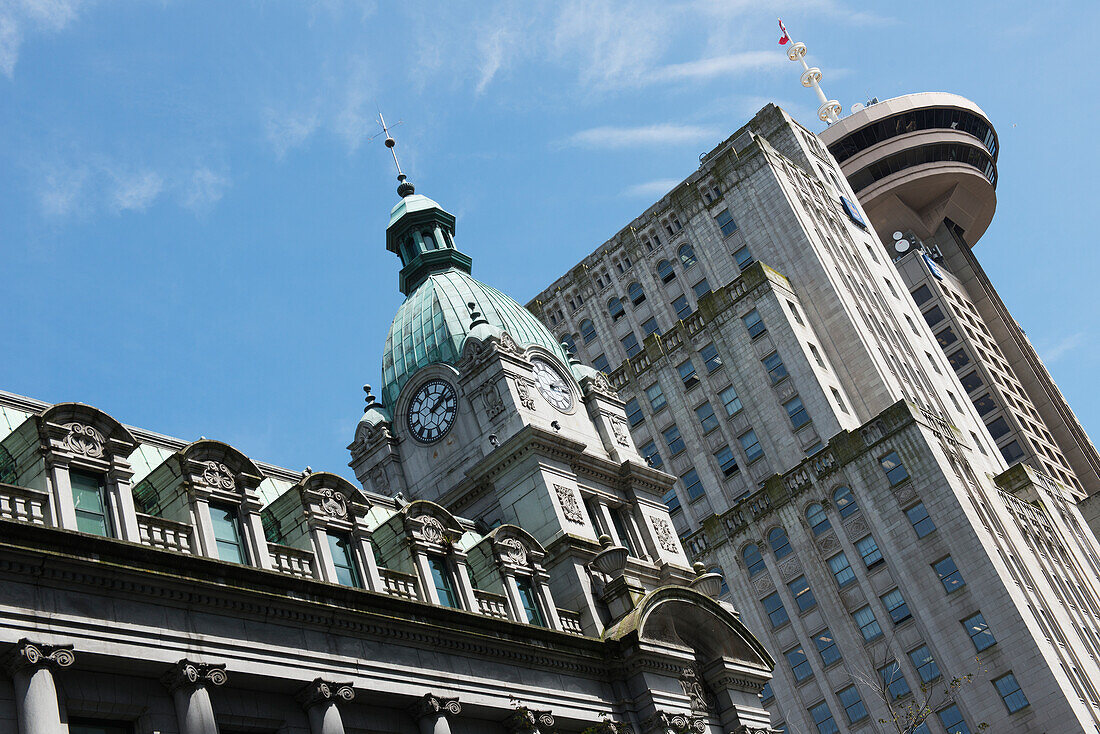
[{"x": 193, "y": 217}]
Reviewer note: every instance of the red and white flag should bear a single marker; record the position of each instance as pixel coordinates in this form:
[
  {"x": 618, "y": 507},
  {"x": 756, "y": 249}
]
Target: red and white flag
[{"x": 785, "y": 38}]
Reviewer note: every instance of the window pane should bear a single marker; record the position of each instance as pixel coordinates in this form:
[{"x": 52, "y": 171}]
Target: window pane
[
  {"x": 634, "y": 413},
  {"x": 651, "y": 455},
  {"x": 753, "y": 560},
  {"x": 952, "y": 720},
  {"x": 681, "y": 306},
  {"x": 631, "y": 345},
  {"x": 773, "y": 606},
  {"x": 726, "y": 223},
  {"x": 841, "y": 569},
  {"x": 845, "y": 501},
  {"x": 730, "y": 400},
  {"x": 895, "y": 470},
  {"x": 949, "y": 574},
  {"x": 803, "y": 595},
  {"x": 918, "y": 516},
  {"x": 693, "y": 485},
  {"x": 649, "y": 326},
  {"x": 227, "y": 533},
  {"x": 343, "y": 558},
  {"x": 894, "y": 680},
  {"x": 1011, "y": 693},
  {"x": 896, "y": 606},
  {"x": 925, "y": 665},
  {"x": 727, "y": 461},
  {"x": 800, "y": 666},
  {"x": 777, "y": 539},
  {"x": 441, "y": 577},
  {"x": 743, "y": 258},
  {"x": 753, "y": 324},
  {"x": 709, "y": 353},
  {"x": 774, "y": 365},
  {"x": 688, "y": 375},
  {"x": 826, "y": 647},
  {"x": 823, "y": 719},
  {"x": 674, "y": 440},
  {"x": 530, "y": 604},
  {"x": 707, "y": 420},
  {"x": 636, "y": 293},
  {"x": 979, "y": 632},
  {"x": 600, "y": 363},
  {"x": 701, "y": 288},
  {"x": 868, "y": 625},
  {"x": 853, "y": 705},
  {"x": 751, "y": 446},
  {"x": 656, "y": 397},
  {"x": 588, "y": 331},
  {"x": 868, "y": 550},
  {"x": 90, "y": 501},
  {"x": 796, "y": 412}
]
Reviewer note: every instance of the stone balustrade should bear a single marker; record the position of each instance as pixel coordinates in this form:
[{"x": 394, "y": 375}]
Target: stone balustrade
[
  {"x": 491, "y": 605},
  {"x": 24, "y": 504},
  {"x": 399, "y": 584},
  {"x": 293, "y": 561},
  {"x": 158, "y": 532},
  {"x": 570, "y": 621}
]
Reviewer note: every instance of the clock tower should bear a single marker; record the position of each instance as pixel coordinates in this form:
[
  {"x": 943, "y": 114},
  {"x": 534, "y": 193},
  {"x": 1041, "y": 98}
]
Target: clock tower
[{"x": 482, "y": 412}]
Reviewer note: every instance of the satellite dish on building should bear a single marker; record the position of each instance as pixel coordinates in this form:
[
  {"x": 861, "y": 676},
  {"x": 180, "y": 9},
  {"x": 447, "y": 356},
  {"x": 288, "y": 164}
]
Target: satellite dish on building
[
  {"x": 857, "y": 107},
  {"x": 902, "y": 245}
]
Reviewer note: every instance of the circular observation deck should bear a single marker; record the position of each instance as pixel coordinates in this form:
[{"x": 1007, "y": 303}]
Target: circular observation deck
[{"x": 917, "y": 159}]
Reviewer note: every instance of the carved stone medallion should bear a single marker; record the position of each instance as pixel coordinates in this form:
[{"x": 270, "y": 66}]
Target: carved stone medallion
[
  {"x": 620, "y": 431},
  {"x": 333, "y": 502},
  {"x": 567, "y": 498},
  {"x": 431, "y": 530},
  {"x": 514, "y": 551},
  {"x": 84, "y": 440},
  {"x": 218, "y": 476}
]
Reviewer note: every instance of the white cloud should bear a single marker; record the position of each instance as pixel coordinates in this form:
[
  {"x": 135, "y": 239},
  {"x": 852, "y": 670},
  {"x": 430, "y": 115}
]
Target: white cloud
[
  {"x": 355, "y": 119},
  {"x": 651, "y": 189},
  {"x": 205, "y": 189},
  {"x": 610, "y": 136},
  {"x": 728, "y": 66},
  {"x": 135, "y": 191},
  {"x": 1063, "y": 347},
  {"x": 61, "y": 191},
  {"x": 18, "y": 17},
  {"x": 287, "y": 130}
]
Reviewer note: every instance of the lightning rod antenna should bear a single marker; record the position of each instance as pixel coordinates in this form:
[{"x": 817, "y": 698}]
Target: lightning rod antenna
[{"x": 829, "y": 111}]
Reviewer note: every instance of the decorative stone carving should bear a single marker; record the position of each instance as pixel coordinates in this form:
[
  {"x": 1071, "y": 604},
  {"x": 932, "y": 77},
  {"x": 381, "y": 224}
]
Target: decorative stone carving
[
  {"x": 663, "y": 722},
  {"x": 187, "y": 673},
  {"x": 368, "y": 435},
  {"x": 905, "y": 494},
  {"x": 84, "y": 440},
  {"x": 524, "y": 720},
  {"x": 619, "y": 428},
  {"x": 570, "y": 507},
  {"x": 379, "y": 479},
  {"x": 333, "y": 502},
  {"x": 856, "y": 527},
  {"x": 431, "y": 705},
  {"x": 523, "y": 387},
  {"x": 790, "y": 568},
  {"x": 763, "y": 584},
  {"x": 322, "y": 691},
  {"x": 665, "y": 538},
  {"x": 508, "y": 344},
  {"x": 431, "y": 530},
  {"x": 607, "y": 726},
  {"x": 600, "y": 384},
  {"x": 490, "y": 396},
  {"x": 694, "y": 690},
  {"x": 27, "y": 654},
  {"x": 513, "y": 551},
  {"x": 827, "y": 542},
  {"x": 218, "y": 476}
]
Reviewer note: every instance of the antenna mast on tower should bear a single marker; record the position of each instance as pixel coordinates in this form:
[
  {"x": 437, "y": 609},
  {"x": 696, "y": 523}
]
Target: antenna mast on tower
[{"x": 829, "y": 111}]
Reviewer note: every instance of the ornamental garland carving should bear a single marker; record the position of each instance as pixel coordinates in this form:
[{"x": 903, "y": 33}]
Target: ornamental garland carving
[
  {"x": 333, "y": 502},
  {"x": 523, "y": 387},
  {"x": 694, "y": 690},
  {"x": 84, "y": 440},
  {"x": 218, "y": 476},
  {"x": 567, "y": 498},
  {"x": 665, "y": 538}
]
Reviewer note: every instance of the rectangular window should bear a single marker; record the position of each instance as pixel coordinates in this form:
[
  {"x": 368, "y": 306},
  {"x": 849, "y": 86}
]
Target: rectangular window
[
  {"x": 649, "y": 326},
  {"x": 839, "y": 401},
  {"x": 753, "y": 323},
  {"x": 693, "y": 485},
  {"x": 946, "y": 337},
  {"x": 687, "y": 374},
  {"x": 895, "y": 470},
  {"x": 979, "y": 632},
  {"x": 672, "y": 501},
  {"x": 826, "y": 647},
  {"x": 800, "y": 665},
  {"x": 631, "y": 345},
  {"x": 701, "y": 288},
  {"x": 743, "y": 258},
  {"x": 952, "y": 720},
  {"x": 681, "y": 306},
  {"x": 751, "y": 445},
  {"x": 766, "y": 694},
  {"x": 227, "y": 533},
  {"x": 868, "y": 625},
  {"x": 798, "y": 319},
  {"x": 1011, "y": 693},
  {"x": 894, "y": 680},
  {"x": 853, "y": 705},
  {"x": 618, "y": 519},
  {"x": 896, "y": 606},
  {"x": 972, "y": 381},
  {"x": 925, "y": 665},
  {"x": 444, "y": 586},
  {"x": 727, "y": 461},
  {"x": 817, "y": 356},
  {"x": 823, "y": 719},
  {"x": 958, "y": 359},
  {"x": 803, "y": 595},
  {"x": 868, "y": 550},
  {"x": 773, "y": 607},
  {"x": 918, "y": 516},
  {"x": 921, "y": 295},
  {"x": 709, "y": 353},
  {"x": 1012, "y": 451},
  {"x": 726, "y": 223},
  {"x": 949, "y": 574},
  {"x": 933, "y": 316},
  {"x": 90, "y": 726},
  {"x": 984, "y": 404},
  {"x": 774, "y": 365},
  {"x": 730, "y": 401},
  {"x": 90, "y": 501},
  {"x": 634, "y": 414},
  {"x": 600, "y": 363},
  {"x": 343, "y": 557},
  {"x": 652, "y": 455},
  {"x": 656, "y": 397},
  {"x": 796, "y": 412},
  {"x": 841, "y": 569},
  {"x": 673, "y": 439},
  {"x": 706, "y": 417}
]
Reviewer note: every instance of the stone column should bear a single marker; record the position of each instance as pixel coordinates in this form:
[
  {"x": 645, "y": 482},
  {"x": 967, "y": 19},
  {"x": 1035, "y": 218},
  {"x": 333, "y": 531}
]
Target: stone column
[
  {"x": 663, "y": 722},
  {"x": 188, "y": 683},
  {"x": 528, "y": 721},
  {"x": 32, "y": 666},
  {"x": 320, "y": 699},
  {"x": 431, "y": 712}
]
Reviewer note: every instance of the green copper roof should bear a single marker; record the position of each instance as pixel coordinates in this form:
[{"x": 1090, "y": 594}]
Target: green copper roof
[
  {"x": 409, "y": 205},
  {"x": 433, "y": 322}
]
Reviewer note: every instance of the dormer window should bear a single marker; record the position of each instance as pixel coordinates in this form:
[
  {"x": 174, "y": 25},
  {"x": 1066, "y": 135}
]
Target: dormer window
[
  {"x": 227, "y": 533},
  {"x": 343, "y": 558},
  {"x": 444, "y": 583},
  {"x": 91, "y": 503},
  {"x": 530, "y": 603}
]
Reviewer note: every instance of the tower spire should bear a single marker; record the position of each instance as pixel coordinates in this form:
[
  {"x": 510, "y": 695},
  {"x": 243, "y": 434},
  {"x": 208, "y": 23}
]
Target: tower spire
[
  {"x": 829, "y": 111},
  {"x": 404, "y": 188}
]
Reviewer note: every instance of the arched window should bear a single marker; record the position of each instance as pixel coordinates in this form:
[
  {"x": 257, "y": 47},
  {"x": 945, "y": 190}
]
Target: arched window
[
  {"x": 777, "y": 539},
  {"x": 429, "y": 241},
  {"x": 588, "y": 330},
  {"x": 636, "y": 293},
  {"x": 753, "y": 560},
  {"x": 687, "y": 255},
  {"x": 665, "y": 271},
  {"x": 570, "y": 342},
  {"x": 725, "y": 587},
  {"x": 615, "y": 308},
  {"x": 819, "y": 521},
  {"x": 845, "y": 501}
]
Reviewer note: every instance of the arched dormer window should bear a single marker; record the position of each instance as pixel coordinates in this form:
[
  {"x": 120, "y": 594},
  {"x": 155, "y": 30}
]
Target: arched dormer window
[
  {"x": 508, "y": 567},
  {"x": 615, "y": 308},
  {"x": 433, "y": 535},
  {"x": 636, "y": 293},
  {"x": 687, "y": 255},
  {"x": 781, "y": 546},
  {"x": 754, "y": 562},
  {"x": 845, "y": 501},
  {"x": 665, "y": 271},
  {"x": 819, "y": 521},
  {"x": 429, "y": 241},
  {"x": 588, "y": 330}
]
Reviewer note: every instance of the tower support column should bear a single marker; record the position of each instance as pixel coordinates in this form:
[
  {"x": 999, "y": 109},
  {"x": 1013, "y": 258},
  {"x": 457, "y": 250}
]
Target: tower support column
[
  {"x": 320, "y": 700},
  {"x": 32, "y": 666},
  {"x": 188, "y": 683},
  {"x": 431, "y": 712}
]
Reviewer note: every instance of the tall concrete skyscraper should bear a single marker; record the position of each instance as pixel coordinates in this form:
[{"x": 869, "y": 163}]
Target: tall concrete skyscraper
[{"x": 832, "y": 465}]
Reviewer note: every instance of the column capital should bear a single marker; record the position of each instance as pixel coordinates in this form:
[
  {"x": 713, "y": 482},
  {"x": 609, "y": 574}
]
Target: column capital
[
  {"x": 663, "y": 722},
  {"x": 321, "y": 691},
  {"x": 27, "y": 654},
  {"x": 607, "y": 726},
  {"x": 432, "y": 705},
  {"x": 186, "y": 673},
  {"x": 528, "y": 721}
]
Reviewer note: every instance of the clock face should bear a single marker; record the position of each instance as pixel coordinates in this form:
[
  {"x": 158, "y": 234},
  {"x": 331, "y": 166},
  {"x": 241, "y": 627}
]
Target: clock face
[
  {"x": 552, "y": 386},
  {"x": 432, "y": 411}
]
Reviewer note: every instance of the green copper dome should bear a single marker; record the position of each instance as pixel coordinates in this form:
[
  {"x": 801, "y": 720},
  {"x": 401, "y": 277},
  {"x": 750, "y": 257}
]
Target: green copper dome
[{"x": 433, "y": 322}]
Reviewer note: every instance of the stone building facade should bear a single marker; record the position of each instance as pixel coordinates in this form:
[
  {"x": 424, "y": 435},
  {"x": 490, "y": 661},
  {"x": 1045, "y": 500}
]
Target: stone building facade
[{"x": 766, "y": 349}]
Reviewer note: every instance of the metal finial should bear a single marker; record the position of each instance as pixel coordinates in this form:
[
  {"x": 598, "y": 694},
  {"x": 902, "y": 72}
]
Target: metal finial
[
  {"x": 404, "y": 188},
  {"x": 371, "y": 400},
  {"x": 476, "y": 319}
]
